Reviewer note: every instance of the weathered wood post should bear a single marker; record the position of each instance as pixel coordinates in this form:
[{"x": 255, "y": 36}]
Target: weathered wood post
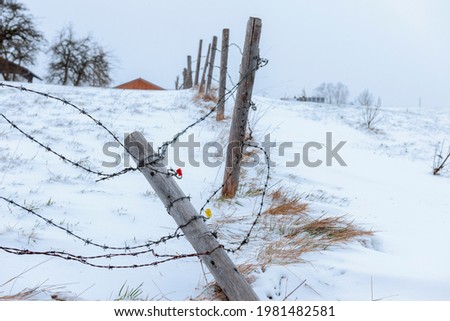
[
  {"x": 189, "y": 73},
  {"x": 233, "y": 284},
  {"x": 242, "y": 105},
  {"x": 201, "y": 88},
  {"x": 220, "y": 115},
  {"x": 184, "y": 78},
  {"x": 211, "y": 65},
  {"x": 199, "y": 59}
]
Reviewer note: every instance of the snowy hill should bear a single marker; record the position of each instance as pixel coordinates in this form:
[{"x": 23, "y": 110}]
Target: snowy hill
[{"x": 387, "y": 188}]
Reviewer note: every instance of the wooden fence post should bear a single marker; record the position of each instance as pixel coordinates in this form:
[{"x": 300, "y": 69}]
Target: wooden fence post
[
  {"x": 233, "y": 284},
  {"x": 220, "y": 115},
  {"x": 242, "y": 105},
  {"x": 189, "y": 73},
  {"x": 199, "y": 59},
  {"x": 184, "y": 78},
  {"x": 211, "y": 65},
  {"x": 177, "y": 82},
  {"x": 202, "y": 81}
]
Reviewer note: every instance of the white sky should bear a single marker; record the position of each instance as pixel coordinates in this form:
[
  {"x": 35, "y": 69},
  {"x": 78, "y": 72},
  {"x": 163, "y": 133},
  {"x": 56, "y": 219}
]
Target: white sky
[{"x": 398, "y": 49}]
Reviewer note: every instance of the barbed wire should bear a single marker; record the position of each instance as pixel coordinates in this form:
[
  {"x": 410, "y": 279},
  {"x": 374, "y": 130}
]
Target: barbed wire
[
  {"x": 237, "y": 46},
  {"x": 150, "y": 162},
  {"x": 261, "y": 204},
  {"x": 64, "y": 158},
  {"x": 246, "y": 239},
  {"x": 86, "y": 260},
  {"x": 65, "y": 102},
  {"x": 88, "y": 241}
]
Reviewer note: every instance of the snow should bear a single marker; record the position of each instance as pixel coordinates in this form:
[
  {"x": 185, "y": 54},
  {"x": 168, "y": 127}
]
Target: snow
[{"x": 386, "y": 187}]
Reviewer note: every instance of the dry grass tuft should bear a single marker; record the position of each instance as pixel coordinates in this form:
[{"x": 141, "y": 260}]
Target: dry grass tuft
[
  {"x": 292, "y": 235},
  {"x": 285, "y": 203},
  {"x": 213, "y": 292},
  {"x": 54, "y": 292},
  {"x": 211, "y": 97},
  {"x": 303, "y": 234},
  {"x": 283, "y": 252},
  {"x": 334, "y": 230},
  {"x": 40, "y": 290},
  {"x": 22, "y": 295}
]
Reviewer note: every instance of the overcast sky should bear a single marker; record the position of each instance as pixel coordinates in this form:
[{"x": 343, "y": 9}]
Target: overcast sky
[{"x": 398, "y": 49}]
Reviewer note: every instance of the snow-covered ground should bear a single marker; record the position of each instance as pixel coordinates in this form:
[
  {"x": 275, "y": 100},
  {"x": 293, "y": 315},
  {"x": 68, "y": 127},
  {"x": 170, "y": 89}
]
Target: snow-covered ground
[{"x": 386, "y": 187}]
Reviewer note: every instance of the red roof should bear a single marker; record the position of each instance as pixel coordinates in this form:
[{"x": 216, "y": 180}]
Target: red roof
[{"x": 139, "y": 84}]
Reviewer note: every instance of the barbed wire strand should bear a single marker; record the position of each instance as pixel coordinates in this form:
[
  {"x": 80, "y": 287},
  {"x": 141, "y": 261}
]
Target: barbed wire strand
[{"x": 86, "y": 260}]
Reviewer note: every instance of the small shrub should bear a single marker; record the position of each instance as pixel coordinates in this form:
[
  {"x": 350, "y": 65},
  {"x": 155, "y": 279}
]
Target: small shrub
[
  {"x": 130, "y": 294},
  {"x": 440, "y": 160},
  {"x": 371, "y": 114}
]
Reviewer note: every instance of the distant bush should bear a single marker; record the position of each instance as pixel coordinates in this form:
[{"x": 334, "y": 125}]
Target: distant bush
[
  {"x": 371, "y": 112},
  {"x": 440, "y": 160}
]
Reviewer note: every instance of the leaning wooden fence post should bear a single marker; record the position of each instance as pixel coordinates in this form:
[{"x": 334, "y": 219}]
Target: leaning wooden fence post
[
  {"x": 202, "y": 81},
  {"x": 233, "y": 284},
  {"x": 199, "y": 59},
  {"x": 211, "y": 65},
  {"x": 236, "y": 140},
  {"x": 220, "y": 115}
]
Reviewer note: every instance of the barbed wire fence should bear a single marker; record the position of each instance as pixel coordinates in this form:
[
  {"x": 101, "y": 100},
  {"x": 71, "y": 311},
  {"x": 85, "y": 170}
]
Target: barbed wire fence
[{"x": 148, "y": 247}]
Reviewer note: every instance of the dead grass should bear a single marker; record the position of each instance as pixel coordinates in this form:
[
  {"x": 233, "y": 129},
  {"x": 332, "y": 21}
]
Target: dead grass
[
  {"x": 285, "y": 202},
  {"x": 288, "y": 230},
  {"x": 291, "y": 231},
  {"x": 53, "y": 292},
  {"x": 50, "y": 292},
  {"x": 211, "y": 97},
  {"x": 21, "y": 296},
  {"x": 213, "y": 292},
  {"x": 334, "y": 230},
  {"x": 283, "y": 252},
  {"x": 298, "y": 235}
]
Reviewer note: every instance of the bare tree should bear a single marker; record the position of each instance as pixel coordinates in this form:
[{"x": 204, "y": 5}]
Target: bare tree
[
  {"x": 365, "y": 98},
  {"x": 19, "y": 38},
  {"x": 333, "y": 93},
  {"x": 99, "y": 67},
  {"x": 78, "y": 61},
  {"x": 371, "y": 115},
  {"x": 340, "y": 94}
]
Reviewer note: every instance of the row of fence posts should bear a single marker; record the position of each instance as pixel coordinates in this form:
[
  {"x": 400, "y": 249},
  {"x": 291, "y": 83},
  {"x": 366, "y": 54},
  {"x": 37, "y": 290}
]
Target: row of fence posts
[
  {"x": 204, "y": 83},
  {"x": 212, "y": 254},
  {"x": 243, "y": 96}
]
